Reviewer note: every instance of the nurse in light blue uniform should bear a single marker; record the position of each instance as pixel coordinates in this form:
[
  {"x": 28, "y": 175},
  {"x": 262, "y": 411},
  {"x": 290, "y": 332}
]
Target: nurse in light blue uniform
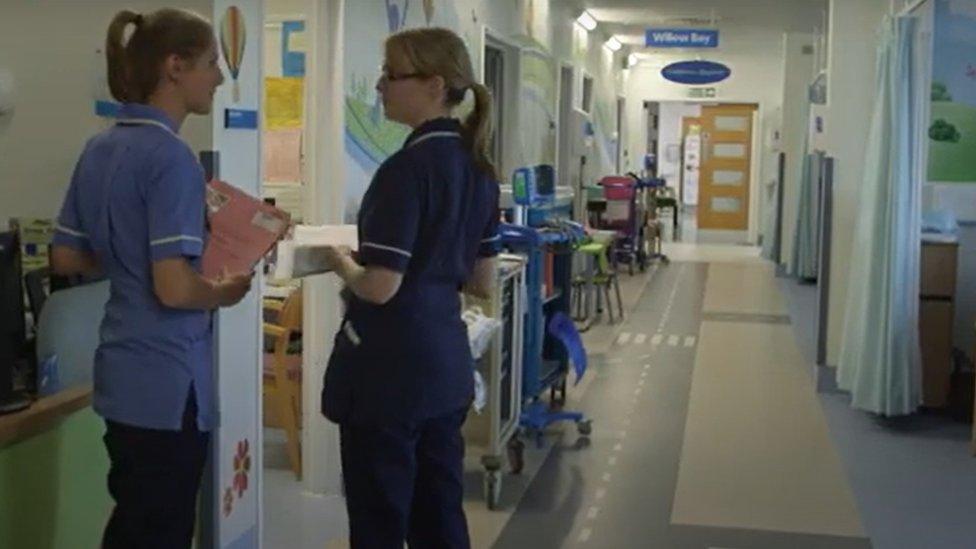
[
  {"x": 399, "y": 382},
  {"x": 135, "y": 213}
]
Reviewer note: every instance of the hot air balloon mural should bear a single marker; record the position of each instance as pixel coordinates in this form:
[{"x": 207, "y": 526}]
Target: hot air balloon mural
[
  {"x": 233, "y": 36},
  {"x": 429, "y": 11}
]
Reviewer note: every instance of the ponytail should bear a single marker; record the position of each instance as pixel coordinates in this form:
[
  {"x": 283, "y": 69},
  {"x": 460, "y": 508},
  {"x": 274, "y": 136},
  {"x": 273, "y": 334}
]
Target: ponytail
[
  {"x": 115, "y": 54},
  {"x": 134, "y": 65},
  {"x": 477, "y": 131},
  {"x": 441, "y": 52}
]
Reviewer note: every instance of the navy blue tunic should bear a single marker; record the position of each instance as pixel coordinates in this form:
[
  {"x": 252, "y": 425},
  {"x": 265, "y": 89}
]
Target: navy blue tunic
[{"x": 429, "y": 213}]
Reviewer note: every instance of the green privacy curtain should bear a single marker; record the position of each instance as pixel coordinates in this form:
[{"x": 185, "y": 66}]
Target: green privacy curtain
[
  {"x": 805, "y": 237},
  {"x": 880, "y": 359}
]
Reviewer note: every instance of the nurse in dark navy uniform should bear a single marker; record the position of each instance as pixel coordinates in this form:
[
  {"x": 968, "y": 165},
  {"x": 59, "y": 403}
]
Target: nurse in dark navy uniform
[{"x": 399, "y": 381}]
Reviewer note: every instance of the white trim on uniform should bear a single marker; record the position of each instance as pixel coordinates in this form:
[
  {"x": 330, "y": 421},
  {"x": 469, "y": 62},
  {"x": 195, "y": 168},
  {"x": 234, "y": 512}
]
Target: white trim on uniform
[
  {"x": 146, "y": 122},
  {"x": 177, "y": 238},
  {"x": 404, "y": 253},
  {"x": 495, "y": 238},
  {"x": 71, "y": 232},
  {"x": 432, "y": 135}
]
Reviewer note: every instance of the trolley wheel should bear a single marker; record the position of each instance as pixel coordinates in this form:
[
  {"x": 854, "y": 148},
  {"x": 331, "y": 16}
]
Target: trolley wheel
[
  {"x": 491, "y": 463},
  {"x": 493, "y": 488},
  {"x": 584, "y": 427},
  {"x": 557, "y": 395},
  {"x": 516, "y": 456}
]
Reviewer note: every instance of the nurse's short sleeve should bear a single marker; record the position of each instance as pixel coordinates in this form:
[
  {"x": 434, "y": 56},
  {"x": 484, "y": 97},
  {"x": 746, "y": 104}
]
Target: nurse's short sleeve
[
  {"x": 70, "y": 230},
  {"x": 390, "y": 219},
  {"x": 490, "y": 238},
  {"x": 175, "y": 202}
]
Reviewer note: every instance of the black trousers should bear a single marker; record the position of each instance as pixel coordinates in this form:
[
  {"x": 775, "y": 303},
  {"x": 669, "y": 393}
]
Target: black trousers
[
  {"x": 154, "y": 479},
  {"x": 406, "y": 483}
]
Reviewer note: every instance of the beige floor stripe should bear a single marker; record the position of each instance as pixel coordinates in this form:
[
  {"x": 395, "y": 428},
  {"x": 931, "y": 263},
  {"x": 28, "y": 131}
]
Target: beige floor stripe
[
  {"x": 756, "y": 452},
  {"x": 746, "y": 287}
]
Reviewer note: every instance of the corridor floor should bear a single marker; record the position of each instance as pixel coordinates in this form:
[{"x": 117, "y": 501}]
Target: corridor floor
[{"x": 707, "y": 431}]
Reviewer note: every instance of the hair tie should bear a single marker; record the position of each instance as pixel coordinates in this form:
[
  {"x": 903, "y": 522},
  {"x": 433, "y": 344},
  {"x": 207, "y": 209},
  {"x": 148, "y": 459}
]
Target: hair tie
[{"x": 456, "y": 95}]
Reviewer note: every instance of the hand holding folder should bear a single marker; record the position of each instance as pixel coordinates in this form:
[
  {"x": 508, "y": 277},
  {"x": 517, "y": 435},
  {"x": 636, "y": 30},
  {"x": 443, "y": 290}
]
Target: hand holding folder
[{"x": 243, "y": 229}]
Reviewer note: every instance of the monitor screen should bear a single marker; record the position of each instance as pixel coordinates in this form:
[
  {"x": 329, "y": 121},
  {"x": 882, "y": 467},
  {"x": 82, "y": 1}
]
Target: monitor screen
[{"x": 12, "y": 325}]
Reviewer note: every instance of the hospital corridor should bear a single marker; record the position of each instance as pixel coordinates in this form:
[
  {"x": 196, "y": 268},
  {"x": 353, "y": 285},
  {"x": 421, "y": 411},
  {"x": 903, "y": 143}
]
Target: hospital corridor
[{"x": 490, "y": 274}]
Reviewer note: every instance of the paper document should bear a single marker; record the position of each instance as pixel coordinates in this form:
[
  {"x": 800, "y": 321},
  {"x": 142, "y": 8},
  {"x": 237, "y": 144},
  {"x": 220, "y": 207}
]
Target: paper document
[
  {"x": 304, "y": 254},
  {"x": 243, "y": 229}
]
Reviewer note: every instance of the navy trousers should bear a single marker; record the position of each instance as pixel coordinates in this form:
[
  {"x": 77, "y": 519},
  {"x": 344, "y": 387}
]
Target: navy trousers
[
  {"x": 406, "y": 483},
  {"x": 154, "y": 479}
]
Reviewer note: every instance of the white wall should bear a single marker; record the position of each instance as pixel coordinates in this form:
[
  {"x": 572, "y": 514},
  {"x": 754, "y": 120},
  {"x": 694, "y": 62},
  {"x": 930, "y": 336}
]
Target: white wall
[
  {"x": 669, "y": 135},
  {"x": 755, "y": 55},
  {"x": 798, "y": 70},
  {"x": 847, "y": 118},
  {"x": 50, "y": 47}
]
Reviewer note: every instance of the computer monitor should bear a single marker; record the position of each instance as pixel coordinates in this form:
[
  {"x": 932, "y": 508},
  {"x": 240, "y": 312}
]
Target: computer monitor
[{"x": 13, "y": 344}]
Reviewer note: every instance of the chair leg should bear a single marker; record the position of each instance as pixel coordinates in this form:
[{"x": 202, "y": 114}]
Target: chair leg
[
  {"x": 620, "y": 301},
  {"x": 287, "y": 416},
  {"x": 606, "y": 291}
]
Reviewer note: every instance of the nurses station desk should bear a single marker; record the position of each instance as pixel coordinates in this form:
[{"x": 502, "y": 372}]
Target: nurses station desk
[{"x": 69, "y": 324}]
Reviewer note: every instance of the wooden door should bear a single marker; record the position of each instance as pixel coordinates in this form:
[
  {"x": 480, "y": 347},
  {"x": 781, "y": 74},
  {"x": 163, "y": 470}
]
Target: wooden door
[{"x": 726, "y": 171}]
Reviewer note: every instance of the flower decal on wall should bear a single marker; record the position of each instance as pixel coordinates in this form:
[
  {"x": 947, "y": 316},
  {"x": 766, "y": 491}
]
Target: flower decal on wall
[
  {"x": 228, "y": 502},
  {"x": 242, "y": 467}
]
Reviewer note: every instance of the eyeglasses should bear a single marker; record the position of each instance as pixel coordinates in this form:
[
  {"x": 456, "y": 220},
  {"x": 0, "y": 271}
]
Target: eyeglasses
[{"x": 390, "y": 77}]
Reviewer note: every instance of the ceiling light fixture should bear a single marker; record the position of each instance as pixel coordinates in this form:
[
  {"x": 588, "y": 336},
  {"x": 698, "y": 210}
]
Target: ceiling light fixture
[{"x": 586, "y": 20}]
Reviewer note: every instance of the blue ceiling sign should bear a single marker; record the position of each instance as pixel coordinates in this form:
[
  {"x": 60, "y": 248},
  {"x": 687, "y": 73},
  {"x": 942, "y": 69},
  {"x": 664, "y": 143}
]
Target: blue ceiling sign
[
  {"x": 696, "y": 73},
  {"x": 681, "y": 38}
]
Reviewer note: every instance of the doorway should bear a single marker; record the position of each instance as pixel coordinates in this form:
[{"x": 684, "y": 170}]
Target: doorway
[
  {"x": 565, "y": 159},
  {"x": 726, "y": 167},
  {"x": 705, "y": 154},
  {"x": 495, "y": 82}
]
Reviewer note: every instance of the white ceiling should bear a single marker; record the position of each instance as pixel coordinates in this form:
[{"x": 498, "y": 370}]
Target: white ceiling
[{"x": 627, "y": 19}]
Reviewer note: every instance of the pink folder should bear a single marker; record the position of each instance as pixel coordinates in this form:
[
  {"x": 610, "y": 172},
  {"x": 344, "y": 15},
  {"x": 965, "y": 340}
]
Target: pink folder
[{"x": 243, "y": 229}]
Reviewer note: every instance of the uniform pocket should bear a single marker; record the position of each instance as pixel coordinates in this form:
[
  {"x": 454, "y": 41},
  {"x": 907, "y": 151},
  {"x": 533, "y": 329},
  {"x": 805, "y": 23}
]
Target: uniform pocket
[{"x": 339, "y": 383}]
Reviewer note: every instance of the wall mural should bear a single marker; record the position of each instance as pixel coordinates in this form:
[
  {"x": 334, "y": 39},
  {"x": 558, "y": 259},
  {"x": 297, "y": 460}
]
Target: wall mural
[
  {"x": 370, "y": 138},
  {"x": 233, "y": 37},
  {"x": 952, "y": 132}
]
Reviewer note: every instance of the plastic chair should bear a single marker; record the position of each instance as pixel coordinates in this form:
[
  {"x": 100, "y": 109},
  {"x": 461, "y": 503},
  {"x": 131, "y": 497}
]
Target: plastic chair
[{"x": 603, "y": 280}]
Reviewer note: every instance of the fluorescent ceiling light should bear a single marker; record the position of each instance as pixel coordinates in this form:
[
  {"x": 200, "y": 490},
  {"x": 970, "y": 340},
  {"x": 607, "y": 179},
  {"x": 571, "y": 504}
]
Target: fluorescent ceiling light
[
  {"x": 613, "y": 44},
  {"x": 632, "y": 60},
  {"x": 586, "y": 20}
]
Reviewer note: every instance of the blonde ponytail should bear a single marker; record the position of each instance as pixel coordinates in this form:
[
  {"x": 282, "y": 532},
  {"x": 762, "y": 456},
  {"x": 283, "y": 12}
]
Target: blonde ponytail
[
  {"x": 478, "y": 130},
  {"x": 435, "y": 51},
  {"x": 115, "y": 54}
]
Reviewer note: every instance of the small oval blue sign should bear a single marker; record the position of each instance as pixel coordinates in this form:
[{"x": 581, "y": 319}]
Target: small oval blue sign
[{"x": 696, "y": 72}]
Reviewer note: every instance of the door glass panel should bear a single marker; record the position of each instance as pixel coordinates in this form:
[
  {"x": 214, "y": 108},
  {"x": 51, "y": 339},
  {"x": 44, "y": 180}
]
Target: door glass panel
[
  {"x": 722, "y": 204},
  {"x": 729, "y": 178},
  {"x": 729, "y": 150},
  {"x": 731, "y": 123}
]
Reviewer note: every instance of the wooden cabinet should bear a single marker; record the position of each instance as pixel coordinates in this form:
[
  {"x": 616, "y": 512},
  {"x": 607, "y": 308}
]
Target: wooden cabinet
[{"x": 936, "y": 313}]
